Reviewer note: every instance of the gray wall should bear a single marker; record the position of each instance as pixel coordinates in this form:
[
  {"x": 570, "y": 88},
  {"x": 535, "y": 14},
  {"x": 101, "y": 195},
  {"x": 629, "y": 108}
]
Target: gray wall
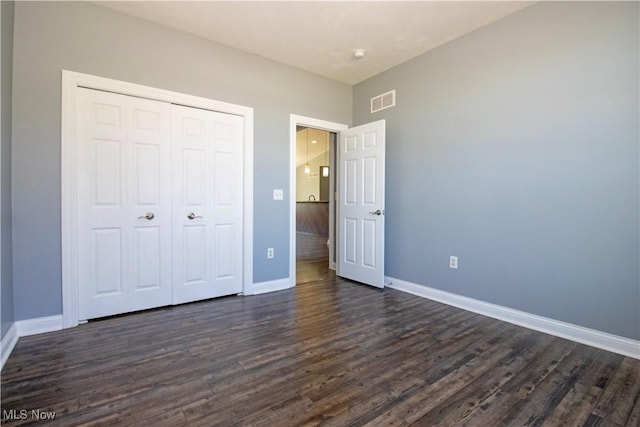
[
  {"x": 516, "y": 149},
  {"x": 82, "y": 37},
  {"x": 6, "y": 51}
]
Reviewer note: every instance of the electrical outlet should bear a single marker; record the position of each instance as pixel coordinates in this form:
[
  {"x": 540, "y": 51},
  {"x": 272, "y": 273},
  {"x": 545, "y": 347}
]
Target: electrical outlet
[
  {"x": 278, "y": 194},
  {"x": 453, "y": 262},
  {"x": 270, "y": 253}
]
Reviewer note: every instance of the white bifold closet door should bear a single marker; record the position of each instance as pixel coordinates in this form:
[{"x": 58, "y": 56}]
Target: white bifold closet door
[
  {"x": 124, "y": 198},
  {"x": 207, "y": 204},
  {"x": 160, "y": 204}
]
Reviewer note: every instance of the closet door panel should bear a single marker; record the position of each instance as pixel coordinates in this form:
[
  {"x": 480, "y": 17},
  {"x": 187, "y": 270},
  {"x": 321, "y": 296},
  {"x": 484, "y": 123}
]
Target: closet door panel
[
  {"x": 207, "y": 185},
  {"x": 124, "y": 203}
]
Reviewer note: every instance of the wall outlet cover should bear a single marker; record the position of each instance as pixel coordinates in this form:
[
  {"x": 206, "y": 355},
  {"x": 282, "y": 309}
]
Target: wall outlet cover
[{"x": 453, "y": 262}]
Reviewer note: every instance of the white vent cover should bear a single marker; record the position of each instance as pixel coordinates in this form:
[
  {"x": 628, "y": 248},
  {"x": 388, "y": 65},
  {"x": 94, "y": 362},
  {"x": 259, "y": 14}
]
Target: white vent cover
[{"x": 386, "y": 100}]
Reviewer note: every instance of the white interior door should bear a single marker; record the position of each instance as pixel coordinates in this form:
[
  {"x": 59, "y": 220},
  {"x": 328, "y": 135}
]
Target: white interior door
[
  {"x": 361, "y": 157},
  {"x": 124, "y": 199},
  {"x": 207, "y": 204}
]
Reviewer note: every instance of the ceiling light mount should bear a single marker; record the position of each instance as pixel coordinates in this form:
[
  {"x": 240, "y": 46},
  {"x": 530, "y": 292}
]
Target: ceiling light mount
[{"x": 359, "y": 53}]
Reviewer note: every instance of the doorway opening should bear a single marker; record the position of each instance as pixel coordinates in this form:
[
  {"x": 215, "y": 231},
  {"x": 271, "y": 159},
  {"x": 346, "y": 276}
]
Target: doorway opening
[
  {"x": 315, "y": 172},
  {"x": 313, "y": 206}
]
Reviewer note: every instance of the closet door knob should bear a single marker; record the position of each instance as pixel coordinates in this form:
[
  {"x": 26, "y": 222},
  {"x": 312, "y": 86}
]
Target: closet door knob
[
  {"x": 149, "y": 216},
  {"x": 191, "y": 215}
]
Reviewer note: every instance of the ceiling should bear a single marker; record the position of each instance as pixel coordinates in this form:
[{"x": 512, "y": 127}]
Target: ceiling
[{"x": 321, "y": 36}]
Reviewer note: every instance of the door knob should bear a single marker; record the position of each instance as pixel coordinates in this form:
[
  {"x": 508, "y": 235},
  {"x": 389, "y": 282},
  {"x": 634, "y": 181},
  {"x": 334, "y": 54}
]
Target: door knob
[
  {"x": 377, "y": 212},
  {"x": 149, "y": 216},
  {"x": 191, "y": 215}
]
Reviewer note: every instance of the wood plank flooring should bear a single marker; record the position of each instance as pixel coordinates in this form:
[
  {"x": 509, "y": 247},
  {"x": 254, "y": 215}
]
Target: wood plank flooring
[
  {"x": 329, "y": 352},
  {"x": 312, "y": 258}
]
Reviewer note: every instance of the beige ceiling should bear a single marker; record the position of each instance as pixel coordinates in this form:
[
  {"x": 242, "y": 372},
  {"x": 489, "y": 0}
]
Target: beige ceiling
[{"x": 320, "y": 36}]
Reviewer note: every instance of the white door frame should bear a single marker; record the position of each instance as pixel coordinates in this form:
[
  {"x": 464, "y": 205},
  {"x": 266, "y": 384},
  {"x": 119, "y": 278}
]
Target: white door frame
[
  {"x": 296, "y": 120},
  {"x": 70, "y": 82}
]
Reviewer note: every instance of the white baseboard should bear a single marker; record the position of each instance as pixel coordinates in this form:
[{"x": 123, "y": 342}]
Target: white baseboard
[
  {"x": 592, "y": 337},
  {"x": 271, "y": 286},
  {"x": 39, "y": 325},
  {"x": 23, "y": 328},
  {"x": 8, "y": 343}
]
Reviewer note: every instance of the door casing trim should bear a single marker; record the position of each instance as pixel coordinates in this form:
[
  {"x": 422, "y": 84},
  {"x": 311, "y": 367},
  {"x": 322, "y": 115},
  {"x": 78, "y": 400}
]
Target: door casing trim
[{"x": 71, "y": 81}]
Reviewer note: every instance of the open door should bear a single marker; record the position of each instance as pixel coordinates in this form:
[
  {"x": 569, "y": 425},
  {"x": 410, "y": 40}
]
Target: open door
[{"x": 361, "y": 155}]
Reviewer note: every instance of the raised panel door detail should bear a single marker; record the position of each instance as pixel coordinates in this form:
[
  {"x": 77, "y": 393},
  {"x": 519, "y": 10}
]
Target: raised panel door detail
[
  {"x": 351, "y": 243},
  {"x": 369, "y": 140},
  {"x": 350, "y": 181},
  {"x": 369, "y": 181},
  {"x": 107, "y": 172},
  {"x": 223, "y": 172},
  {"x": 351, "y": 144},
  {"x": 195, "y": 254},
  {"x": 369, "y": 243},
  {"x": 108, "y": 261},
  {"x": 224, "y": 238},
  {"x": 146, "y": 258},
  {"x": 194, "y": 177},
  {"x": 194, "y": 127},
  {"x": 146, "y": 120},
  {"x": 224, "y": 133},
  {"x": 107, "y": 115},
  {"x": 147, "y": 169}
]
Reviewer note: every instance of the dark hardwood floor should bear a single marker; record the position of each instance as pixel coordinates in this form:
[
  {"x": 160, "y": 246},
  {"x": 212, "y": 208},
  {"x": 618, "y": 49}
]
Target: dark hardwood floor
[
  {"x": 328, "y": 352},
  {"x": 312, "y": 258}
]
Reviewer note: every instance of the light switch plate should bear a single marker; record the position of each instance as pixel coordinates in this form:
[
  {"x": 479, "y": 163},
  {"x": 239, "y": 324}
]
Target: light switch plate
[{"x": 278, "y": 194}]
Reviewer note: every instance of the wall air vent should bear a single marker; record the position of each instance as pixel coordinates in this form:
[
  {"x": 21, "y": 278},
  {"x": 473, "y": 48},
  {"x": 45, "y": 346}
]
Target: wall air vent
[{"x": 383, "y": 101}]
